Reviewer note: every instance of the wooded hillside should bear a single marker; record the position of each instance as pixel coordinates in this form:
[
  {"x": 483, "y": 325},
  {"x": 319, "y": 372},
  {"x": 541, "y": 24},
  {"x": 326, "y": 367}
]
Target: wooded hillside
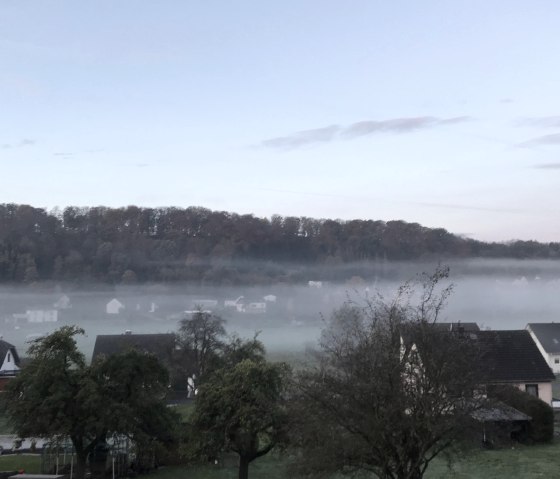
[{"x": 196, "y": 244}]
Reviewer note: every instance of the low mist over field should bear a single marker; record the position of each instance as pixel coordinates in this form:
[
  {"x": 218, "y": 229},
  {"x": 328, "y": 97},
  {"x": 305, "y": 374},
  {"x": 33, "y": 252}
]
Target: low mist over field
[{"x": 495, "y": 294}]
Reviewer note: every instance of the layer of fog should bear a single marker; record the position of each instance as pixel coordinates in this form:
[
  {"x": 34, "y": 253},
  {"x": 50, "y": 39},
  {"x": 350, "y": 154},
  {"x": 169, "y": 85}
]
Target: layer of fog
[{"x": 494, "y": 294}]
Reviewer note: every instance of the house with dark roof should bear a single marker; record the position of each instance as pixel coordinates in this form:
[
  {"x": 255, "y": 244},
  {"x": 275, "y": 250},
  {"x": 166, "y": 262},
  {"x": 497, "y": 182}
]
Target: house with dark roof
[
  {"x": 458, "y": 327},
  {"x": 9, "y": 359},
  {"x": 160, "y": 345},
  {"x": 513, "y": 358},
  {"x": 9, "y": 362},
  {"x": 504, "y": 357},
  {"x": 547, "y": 339}
]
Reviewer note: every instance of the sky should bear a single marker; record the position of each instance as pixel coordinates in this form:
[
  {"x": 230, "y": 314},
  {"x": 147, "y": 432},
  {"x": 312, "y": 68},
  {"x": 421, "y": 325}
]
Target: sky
[{"x": 442, "y": 113}]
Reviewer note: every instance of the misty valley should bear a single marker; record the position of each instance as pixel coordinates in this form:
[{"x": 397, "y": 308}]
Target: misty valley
[{"x": 496, "y": 294}]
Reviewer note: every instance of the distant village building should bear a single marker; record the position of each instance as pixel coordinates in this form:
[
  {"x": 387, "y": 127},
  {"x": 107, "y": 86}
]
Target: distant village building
[
  {"x": 315, "y": 284},
  {"x": 204, "y": 304},
  {"x": 114, "y": 306},
  {"x": 234, "y": 303},
  {"x": 270, "y": 298},
  {"x": 255, "y": 307},
  {"x": 42, "y": 315},
  {"x": 62, "y": 303}
]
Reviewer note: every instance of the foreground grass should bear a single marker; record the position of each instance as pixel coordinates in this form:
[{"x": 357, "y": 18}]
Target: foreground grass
[
  {"x": 30, "y": 463},
  {"x": 522, "y": 461}
]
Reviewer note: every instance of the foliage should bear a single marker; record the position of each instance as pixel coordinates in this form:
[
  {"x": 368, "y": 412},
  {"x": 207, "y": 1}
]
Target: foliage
[
  {"x": 201, "y": 341},
  {"x": 391, "y": 391},
  {"x": 57, "y": 394},
  {"x": 541, "y": 426},
  {"x": 241, "y": 409},
  {"x": 196, "y": 244}
]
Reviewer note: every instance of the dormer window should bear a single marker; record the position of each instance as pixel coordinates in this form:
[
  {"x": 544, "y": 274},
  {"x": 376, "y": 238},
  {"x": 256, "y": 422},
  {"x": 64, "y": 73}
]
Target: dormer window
[{"x": 9, "y": 357}]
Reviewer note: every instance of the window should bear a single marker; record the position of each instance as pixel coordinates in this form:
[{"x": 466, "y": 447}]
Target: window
[
  {"x": 9, "y": 357},
  {"x": 532, "y": 389},
  {"x": 556, "y": 360}
]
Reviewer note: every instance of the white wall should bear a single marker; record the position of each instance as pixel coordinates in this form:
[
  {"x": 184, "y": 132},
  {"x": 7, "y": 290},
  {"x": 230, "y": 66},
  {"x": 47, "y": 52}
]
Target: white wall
[
  {"x": 545, "y": 391},
  {"x": 9, "y": 363}
]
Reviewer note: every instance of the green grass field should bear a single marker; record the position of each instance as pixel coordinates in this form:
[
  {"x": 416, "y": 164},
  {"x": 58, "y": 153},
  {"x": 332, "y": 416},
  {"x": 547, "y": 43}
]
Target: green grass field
[
  {"x": 522, "y": 461},
  {"x": 30, "y": 463}
]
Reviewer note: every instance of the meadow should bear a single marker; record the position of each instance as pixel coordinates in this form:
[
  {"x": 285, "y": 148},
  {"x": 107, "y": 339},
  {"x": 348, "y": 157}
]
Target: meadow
[{"x": 519, "y": 461}]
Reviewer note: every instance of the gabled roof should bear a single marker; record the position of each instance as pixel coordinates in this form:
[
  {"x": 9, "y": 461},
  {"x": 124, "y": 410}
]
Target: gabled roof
[
  {"x": 4, "y": 348},
  {"x": 160, "y": 345},
  {"x": 511, "y": 356},
  {"x": 458, "y": 327},
  {"x": 548, "y": 335}
]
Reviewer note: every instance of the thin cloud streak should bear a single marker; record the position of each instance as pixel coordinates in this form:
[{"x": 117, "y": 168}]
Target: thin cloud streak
[
  {"x": 303, "y": 138},
  {"x": 545, "y": 122},
  {"x": 21, "y": 144},
  {"x": 467, "y": 207},
  {"x": 394, "y": 201},
  {"x": 553, "y": 139},
  {"x": 359, "y": 129},
  {"x": 547, "y": 166}
]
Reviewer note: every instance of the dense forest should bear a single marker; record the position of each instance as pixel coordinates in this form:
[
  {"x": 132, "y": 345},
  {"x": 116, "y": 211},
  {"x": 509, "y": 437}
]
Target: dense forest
[{"x": 132, "y": 244}]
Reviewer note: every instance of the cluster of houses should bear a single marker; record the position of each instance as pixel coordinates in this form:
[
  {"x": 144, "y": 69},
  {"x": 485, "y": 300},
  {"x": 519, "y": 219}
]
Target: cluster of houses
[
  {"x": 140, "y": 307},
  {"x": 527, "y": 359}
]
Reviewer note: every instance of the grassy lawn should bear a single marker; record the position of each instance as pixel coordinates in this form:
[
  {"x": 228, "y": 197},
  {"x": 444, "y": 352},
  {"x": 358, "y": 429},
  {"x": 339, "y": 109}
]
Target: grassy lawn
[
  {"x": 30, "y": 463},
  {"x": 523, "y": 461},
  {"x": 526, "y": 462}
]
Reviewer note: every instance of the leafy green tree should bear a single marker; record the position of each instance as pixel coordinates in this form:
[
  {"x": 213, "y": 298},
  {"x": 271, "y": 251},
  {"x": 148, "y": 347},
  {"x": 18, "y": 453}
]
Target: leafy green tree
[
  {"x": 241, "y": 409},
  {"x": 57, "y": 394}
]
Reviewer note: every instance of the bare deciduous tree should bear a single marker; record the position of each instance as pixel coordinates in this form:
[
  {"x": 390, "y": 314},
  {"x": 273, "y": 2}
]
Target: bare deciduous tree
[{"x": 390, "y": 390}]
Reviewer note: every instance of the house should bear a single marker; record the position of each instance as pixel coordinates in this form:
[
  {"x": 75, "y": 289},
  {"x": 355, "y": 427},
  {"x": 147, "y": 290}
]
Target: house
[
  {"x": 457, "y": 327},
  {"x": 547, "y": 339},
  {"x": 255, "y": 307},
  {"x": 505, "y": 358},
  {"x": 160, "y": 345},
  {"x": 204, "y": 304},
  {"x": 513, "y": 358},
  {"x": 42, "y": 315},
  {"x": 62, "y": 303},
  {"x": 10, "y": 364},
  {"x": 9, "y": 358},
  {"x": 234, "y": 303},
  {"x": 114, "y": 306}
]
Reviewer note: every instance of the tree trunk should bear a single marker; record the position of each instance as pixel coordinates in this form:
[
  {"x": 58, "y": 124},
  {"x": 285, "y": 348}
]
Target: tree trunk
[
  {"x": 243, "y": 467},
  {"x": 81, "y": 464}
]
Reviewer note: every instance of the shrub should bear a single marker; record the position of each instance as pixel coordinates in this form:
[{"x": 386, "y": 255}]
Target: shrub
[{"x": 541, "y": 426}]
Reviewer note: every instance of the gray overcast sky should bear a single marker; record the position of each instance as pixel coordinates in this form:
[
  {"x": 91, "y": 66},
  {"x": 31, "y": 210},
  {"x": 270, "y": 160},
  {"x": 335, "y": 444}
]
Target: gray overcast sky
[{"x": 438, "y": 112}]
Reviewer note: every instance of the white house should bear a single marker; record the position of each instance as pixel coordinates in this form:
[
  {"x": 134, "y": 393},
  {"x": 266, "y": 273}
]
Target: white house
[
  {"x": 9, "y": 359},
  {"x": 114, "y": 306},
  {"x": 62, "y": 303},
  {"x": 547, "y": 339},
  {"x": 42, "y": 315}
]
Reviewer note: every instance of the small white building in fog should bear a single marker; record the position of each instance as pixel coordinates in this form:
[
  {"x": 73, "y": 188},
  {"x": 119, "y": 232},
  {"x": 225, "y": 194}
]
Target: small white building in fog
[
  {"x": 114, "y": 306},
  {"x": 42, "y": 315}
]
